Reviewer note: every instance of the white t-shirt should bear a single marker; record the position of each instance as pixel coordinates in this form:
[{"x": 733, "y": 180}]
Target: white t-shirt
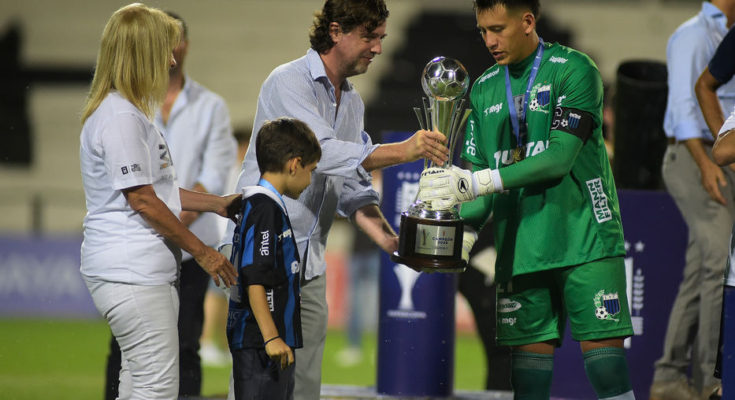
[{"x": 121, "y": 148}]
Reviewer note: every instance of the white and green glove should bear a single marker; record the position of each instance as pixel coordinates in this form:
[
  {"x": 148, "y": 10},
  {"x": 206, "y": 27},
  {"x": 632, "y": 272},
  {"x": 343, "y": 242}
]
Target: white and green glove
[
  {"x": 443, "y": 188},
  {"x": 469, "y": 237}
]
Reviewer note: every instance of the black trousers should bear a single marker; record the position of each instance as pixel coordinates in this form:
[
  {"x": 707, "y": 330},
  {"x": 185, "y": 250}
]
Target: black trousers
[
  {"x": 257, "y": 377},
  {"x": 192, "y": 288},
  {"x": 481, "y": 299}
]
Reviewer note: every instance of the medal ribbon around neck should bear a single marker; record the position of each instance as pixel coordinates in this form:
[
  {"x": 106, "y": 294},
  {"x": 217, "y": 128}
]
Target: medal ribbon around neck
[
  {"x": 514, "y": 119},
  {"x": 264, "y": 183}
]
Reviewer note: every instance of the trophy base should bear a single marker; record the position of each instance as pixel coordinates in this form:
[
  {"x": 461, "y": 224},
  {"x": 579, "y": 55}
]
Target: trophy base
[
  {"x": 430, "y": 241},
  {"x": 430, "y": 265}
]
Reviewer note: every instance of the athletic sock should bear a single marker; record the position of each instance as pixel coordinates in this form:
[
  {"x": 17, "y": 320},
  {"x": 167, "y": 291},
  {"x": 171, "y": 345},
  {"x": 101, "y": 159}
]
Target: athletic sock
[
  {"x": 607, "y": 370},
  {"x": 531, "y": 375}
]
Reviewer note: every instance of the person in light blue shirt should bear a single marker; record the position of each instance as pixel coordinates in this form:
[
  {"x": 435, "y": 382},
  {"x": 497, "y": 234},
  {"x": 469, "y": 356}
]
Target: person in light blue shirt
[
  {"x": 703, "y": 193},
  {"x": 345, "y": 38},
  {"x": 196, "y": 124}
]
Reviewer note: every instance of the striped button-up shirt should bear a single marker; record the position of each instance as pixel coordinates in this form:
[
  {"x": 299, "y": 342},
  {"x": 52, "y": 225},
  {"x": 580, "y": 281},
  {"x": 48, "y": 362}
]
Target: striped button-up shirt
[{"x": 300, "y": 89}]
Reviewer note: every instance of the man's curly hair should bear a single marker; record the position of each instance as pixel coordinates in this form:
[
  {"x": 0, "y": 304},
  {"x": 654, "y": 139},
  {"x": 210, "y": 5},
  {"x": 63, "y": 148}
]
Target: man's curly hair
[{"x": 349, "y": 14}]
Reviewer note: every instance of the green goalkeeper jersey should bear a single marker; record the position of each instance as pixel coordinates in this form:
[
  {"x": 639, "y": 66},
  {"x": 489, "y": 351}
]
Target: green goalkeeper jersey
[{"x": 551, "y": 215}]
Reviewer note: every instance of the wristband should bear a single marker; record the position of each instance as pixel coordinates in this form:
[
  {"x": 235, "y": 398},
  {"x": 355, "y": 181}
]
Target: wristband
[{"x": 270, "y": 340}]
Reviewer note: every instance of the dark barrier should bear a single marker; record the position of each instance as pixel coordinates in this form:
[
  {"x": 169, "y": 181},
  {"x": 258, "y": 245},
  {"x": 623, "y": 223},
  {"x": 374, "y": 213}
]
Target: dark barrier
[{"x": 640, "y": 102}]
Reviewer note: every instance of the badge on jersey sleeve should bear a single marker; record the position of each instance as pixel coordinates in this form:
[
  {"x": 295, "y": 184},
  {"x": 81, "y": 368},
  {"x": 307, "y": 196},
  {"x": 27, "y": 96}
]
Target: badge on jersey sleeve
[{"x": 573, "y": 121}]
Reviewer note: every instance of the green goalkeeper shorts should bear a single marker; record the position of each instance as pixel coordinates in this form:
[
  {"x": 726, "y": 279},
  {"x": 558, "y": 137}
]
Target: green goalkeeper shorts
[{"x": 533, "y": 308}]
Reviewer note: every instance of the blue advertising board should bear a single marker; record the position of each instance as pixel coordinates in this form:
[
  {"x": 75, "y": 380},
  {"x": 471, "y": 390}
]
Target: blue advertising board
[
  {"x": 39, "y": 276},
  {"x": 655, "y": 240},
  {"x": 416, "y": 325}
]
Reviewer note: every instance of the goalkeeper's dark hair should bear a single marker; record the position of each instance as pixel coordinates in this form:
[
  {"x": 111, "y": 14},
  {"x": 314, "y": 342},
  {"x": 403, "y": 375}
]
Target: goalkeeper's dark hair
[
  {"x": 283, "y": 139},
  {"x": 533, "y": 6}
]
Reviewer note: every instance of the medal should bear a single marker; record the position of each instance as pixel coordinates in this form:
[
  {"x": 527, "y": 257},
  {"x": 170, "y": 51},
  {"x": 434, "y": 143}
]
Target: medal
[
  {"x": 518, "y": 154},
  {"x": 518, "y": 122}
]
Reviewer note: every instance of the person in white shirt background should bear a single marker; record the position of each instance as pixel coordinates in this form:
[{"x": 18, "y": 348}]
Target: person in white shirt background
[{"x": 214, "y": 350}]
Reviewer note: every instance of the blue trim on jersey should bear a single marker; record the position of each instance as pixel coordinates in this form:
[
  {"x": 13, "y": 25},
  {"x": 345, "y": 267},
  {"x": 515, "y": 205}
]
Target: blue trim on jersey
[
  {"x": 247, "y": 257},
  {"x": 289, "y": 247}
]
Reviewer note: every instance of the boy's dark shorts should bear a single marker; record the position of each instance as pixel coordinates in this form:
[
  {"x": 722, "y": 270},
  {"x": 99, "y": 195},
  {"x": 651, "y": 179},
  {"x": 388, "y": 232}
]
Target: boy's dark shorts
[{"x": 256, "y": 376}]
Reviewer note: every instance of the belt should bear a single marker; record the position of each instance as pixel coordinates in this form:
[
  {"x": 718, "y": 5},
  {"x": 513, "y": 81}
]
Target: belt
[{"x": 705, "y": 142}]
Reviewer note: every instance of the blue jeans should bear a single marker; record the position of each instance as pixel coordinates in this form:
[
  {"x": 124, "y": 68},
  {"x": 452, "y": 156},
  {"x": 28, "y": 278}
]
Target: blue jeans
[{"x": 363, "y": 291}]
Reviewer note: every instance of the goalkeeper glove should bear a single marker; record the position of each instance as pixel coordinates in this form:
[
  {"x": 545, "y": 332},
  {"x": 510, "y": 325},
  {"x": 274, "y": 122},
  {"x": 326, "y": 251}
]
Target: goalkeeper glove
[
  {"x": 468, "y": 240},
  {"x": 443, "y": 188}
]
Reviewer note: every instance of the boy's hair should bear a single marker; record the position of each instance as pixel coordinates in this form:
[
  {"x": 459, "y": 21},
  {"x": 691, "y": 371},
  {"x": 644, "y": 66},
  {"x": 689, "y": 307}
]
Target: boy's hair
[
  {"x": 349, "y": 14},
  {"x": 134, "y": 57},
  {"x": 283, "y": 139},
  {"x": 531, "y": 5}
]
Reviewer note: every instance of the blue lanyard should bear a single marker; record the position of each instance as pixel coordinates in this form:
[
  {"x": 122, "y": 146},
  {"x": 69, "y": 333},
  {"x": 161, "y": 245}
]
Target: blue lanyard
[
  {"x": 264, "y": 183},
  {"x": 514, "y": 120}
]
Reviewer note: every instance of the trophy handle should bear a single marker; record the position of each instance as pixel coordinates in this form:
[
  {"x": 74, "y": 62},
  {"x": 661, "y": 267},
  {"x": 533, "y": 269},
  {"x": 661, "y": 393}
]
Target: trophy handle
[
  {"x": 420, "y": 117},
  {"x": 427, "y": 121},
  {"x": 427, "y": 113},
  {"x": 422, "y": 125}
]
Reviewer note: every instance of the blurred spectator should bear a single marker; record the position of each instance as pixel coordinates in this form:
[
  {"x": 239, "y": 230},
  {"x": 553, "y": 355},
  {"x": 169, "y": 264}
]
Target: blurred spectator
[
  {"x": 703, "y": 193},
  {"x": 363, "y": 271},
  {"x": 477, "y": 285},
  {"x": 213, "y": 350}
]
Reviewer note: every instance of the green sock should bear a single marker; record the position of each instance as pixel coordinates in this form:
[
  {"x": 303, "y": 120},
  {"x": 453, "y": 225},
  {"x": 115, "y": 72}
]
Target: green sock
[
  {"x": 531, "y": 375},
  {"x": 607, "y": 370}
]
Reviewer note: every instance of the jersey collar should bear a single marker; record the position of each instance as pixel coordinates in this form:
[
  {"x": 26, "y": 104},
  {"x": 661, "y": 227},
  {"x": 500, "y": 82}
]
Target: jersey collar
[{"x": 265, "y": 187}]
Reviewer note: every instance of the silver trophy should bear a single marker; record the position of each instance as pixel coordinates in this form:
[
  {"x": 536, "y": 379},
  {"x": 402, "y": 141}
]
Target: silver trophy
[{"x": 431, "y": 240}]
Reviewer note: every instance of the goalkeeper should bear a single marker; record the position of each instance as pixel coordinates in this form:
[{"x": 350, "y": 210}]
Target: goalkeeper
[{"x": 540, "y": 168}]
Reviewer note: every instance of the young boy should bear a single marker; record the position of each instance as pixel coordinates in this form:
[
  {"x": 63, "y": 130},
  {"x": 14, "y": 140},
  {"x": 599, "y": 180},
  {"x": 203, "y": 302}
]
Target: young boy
[{"x": 264, "y": 323}]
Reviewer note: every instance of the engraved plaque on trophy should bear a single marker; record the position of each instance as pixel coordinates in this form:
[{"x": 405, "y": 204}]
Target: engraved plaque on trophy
[{"x": 431, "y": 240}]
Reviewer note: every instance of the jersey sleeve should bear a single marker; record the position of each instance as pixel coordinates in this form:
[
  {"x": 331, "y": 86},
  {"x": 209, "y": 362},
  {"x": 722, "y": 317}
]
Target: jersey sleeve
[
  {"x": 722, "y": 65},
  {"x": 126, "y": 151},
  {"x": 259, "y": 263},
  {"x": 471, "y": 148},
  {"x": 578, "y": 110},
  {"x": 556, "y": 161}
]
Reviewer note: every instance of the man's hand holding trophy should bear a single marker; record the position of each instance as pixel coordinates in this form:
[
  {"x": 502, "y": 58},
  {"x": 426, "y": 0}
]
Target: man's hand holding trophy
[{"x": 432, "y": 235}]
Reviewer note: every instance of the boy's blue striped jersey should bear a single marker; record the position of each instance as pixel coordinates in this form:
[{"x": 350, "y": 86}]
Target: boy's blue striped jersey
[{"x": 264, "y": 252}]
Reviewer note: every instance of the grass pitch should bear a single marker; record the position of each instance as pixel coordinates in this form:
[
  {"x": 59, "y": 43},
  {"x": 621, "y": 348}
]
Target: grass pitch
[{"x": 65, "y": 359}]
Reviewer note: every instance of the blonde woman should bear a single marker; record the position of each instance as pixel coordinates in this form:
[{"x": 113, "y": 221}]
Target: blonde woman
[{"x": 132, "y": 237}]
